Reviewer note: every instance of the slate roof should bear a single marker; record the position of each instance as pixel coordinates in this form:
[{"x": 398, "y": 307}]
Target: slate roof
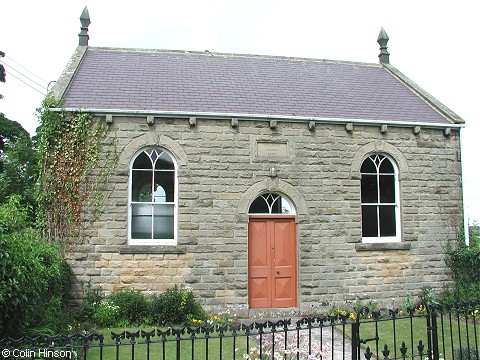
[{"x": 180, "y": 81}]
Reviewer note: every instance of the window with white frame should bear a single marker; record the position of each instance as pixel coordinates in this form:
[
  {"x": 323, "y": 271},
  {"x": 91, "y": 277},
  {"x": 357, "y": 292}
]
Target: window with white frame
[
  {"x": 153, "y": 198},
  {"x": 380, "y": 200},
  {"x": 271, "y": 203}
]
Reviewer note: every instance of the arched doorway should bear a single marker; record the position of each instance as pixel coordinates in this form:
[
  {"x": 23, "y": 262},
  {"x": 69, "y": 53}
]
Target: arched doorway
[{"x": 272, "y": 249}]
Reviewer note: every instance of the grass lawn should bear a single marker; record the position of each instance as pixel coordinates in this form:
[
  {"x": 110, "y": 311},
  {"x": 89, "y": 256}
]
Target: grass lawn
[
  {"x": 393, "y": 333},
  {"x": 451, "y": 336},
  {"x": 228, "y": 346},
  {"x": 214, "y": 347}
]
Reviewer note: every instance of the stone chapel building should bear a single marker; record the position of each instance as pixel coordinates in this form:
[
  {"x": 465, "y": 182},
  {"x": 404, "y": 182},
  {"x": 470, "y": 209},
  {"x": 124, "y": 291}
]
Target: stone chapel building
[{"x": 266, "y": 181}]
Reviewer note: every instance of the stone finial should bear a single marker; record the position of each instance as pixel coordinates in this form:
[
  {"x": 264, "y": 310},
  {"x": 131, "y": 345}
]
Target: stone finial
[
  {"x": 83, "y": 35},
  {"x": 382, "y": 40}
]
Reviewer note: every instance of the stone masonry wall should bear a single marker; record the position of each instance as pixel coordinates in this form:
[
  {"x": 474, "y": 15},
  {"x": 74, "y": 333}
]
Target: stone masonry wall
[{"x": 220, "y": 173}]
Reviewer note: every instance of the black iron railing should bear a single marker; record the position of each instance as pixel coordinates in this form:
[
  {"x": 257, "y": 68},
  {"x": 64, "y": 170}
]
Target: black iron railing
[{"x": 422, "y": 332}]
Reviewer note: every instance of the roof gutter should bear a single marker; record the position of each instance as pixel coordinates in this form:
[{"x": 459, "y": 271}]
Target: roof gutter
[{"x": 211, "y": 115}]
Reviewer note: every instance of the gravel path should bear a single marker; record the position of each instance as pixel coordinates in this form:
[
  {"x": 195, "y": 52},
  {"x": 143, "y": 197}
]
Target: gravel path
[{"x": 336, "y": 348}]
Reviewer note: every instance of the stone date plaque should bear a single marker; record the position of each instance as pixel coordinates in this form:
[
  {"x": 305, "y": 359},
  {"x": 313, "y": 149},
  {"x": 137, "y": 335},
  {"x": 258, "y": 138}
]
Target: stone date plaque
[{"x": 272, "y": 150}]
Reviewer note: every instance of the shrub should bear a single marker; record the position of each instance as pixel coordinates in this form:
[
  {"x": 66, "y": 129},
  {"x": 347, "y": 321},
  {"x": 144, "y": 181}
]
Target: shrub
[
  {"x": 34, "y": 277},
  {"x": 128, "y": 307},
  {"x": 175, "y": 306},
  {"x": 93, "y": 297},
  {"x": 106, "y": 313},
  {"x": 464, "y": 261},
  {"x": 428, "y": 296},
  {"x": 132, "y": 305}
]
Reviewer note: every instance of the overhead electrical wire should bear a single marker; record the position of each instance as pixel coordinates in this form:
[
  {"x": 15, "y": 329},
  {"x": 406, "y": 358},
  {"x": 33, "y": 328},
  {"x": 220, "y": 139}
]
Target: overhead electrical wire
[
  {"x": 25, "y": 76},
  {"x": 23, "y": 67},
  {"x": 9, "y": 67},
  {"x": 16, "y": 77}
]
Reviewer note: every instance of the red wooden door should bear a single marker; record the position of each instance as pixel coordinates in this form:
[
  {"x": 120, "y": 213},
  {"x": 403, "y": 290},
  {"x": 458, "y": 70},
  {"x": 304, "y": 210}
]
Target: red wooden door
[{"x": 272, "y": 262}]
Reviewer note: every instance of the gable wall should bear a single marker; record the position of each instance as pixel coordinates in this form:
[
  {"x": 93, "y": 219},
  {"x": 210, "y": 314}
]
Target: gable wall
[{"x": 219, "y": 175}]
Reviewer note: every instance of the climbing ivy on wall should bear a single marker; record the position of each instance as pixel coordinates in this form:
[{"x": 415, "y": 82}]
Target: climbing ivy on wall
[{"x": 76, "y": 162}]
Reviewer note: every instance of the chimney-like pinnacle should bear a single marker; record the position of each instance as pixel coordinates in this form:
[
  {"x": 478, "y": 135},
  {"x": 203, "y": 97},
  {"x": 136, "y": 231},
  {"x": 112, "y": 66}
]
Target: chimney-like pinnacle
[
  {"x": 382, "y": 40},
  {"x": 83, "y": 35}
]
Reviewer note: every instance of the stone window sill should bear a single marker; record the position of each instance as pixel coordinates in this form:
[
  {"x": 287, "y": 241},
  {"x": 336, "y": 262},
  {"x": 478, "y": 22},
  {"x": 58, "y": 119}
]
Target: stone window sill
[
  {"x": 152, "y": 249},
  {"x": 382, "y": 246}
]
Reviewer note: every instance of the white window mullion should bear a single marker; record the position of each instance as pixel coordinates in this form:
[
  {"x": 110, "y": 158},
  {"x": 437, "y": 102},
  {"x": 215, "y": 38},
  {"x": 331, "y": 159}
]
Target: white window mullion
[
  {"x": 378, "y": 200},
  {"x": 152, "y": 224}
]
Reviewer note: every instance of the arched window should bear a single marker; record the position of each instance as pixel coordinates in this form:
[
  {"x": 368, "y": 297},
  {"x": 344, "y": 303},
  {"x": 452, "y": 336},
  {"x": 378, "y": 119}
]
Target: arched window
[
  {"x": 380, "y": 200},
  {"x": 271, "y": 203},
  {"x": 153, "y": 198}
]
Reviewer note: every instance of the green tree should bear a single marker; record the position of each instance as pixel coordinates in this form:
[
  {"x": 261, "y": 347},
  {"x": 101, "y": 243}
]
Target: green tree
[
  {"x": 19, "y": 170},
  {"x": 2, "y": 71},
  {"x": 10, "y": 130},
  {"x": 18, "y": 162},
  {"x": 18, "y": 158}
]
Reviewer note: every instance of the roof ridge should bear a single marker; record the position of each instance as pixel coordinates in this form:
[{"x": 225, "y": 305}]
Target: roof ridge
[{"x": 236, "y": 55}]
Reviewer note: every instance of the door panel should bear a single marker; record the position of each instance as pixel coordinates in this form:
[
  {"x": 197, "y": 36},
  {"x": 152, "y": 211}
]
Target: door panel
[
  {"x": 283, "y": 291},
  {"x": 259, "y": 263},
  {"x": 284, "y": 260},
  {"x": 272, "y": 262}
]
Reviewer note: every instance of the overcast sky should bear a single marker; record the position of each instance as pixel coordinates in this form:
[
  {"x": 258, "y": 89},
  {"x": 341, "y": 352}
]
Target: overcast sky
[{"x": 435, "y": 43}]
